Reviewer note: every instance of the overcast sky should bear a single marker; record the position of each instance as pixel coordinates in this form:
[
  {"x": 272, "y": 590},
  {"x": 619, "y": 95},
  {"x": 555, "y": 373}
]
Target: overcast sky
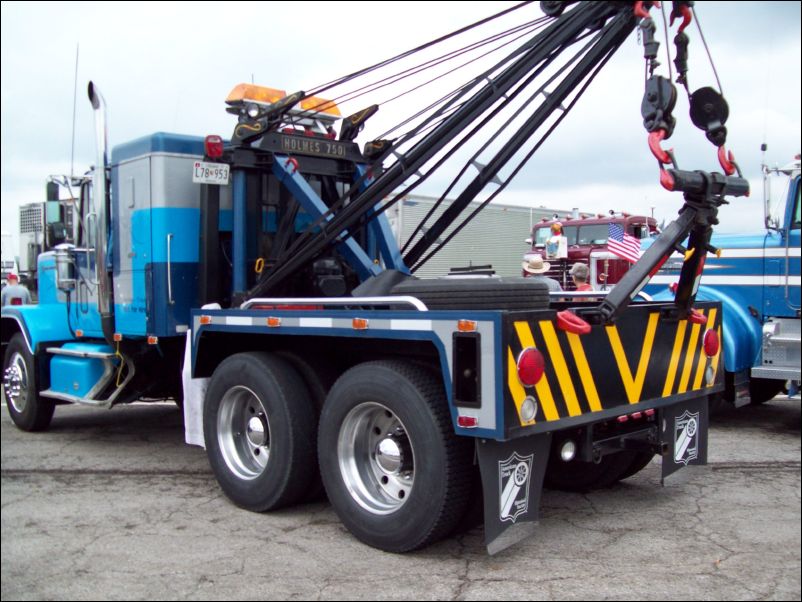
[{"x": 169, "y": 66}]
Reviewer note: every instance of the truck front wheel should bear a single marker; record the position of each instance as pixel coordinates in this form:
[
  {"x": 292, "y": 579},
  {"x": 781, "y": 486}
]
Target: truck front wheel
[
  {"x": 28, "y": 410},
  {"x": 394, "y": 471},
  {"x": 259, "y": 427}
]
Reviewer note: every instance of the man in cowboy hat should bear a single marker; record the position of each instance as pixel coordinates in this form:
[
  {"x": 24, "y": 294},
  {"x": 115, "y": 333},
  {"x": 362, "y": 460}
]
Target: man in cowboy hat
[{"x": 533, "y": 264}]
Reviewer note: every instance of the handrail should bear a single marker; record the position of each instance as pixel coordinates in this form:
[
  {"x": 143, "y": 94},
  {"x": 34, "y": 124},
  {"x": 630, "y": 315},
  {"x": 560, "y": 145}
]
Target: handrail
[{"x": 336, "y": 301}]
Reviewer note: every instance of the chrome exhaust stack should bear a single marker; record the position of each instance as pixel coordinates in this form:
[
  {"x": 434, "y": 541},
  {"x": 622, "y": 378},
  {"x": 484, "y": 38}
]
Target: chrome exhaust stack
[{"x": 105, "y": 303}]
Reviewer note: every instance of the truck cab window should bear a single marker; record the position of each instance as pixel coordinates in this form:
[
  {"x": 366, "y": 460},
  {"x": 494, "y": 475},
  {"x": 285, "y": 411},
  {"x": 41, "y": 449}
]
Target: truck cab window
[
  {"x": 570, "y": 232},
  {"x": 86, "y": 238},
  {"x": 592, "y": 235}
]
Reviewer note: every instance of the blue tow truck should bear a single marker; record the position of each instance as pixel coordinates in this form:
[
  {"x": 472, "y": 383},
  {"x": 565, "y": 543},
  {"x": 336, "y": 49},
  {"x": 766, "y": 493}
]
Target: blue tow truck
[{"x": 264, "y": 264}]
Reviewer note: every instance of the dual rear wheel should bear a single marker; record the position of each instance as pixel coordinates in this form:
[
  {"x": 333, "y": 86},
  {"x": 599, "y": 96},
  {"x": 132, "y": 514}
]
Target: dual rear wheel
[
  {"x": 395, "y": 472},
  {"x": 393, "y": 469}
]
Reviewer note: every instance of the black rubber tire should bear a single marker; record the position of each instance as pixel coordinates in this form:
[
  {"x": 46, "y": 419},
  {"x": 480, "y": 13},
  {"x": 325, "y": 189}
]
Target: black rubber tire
[
  {"x": 442, "y": 462},
  {"x": 580, "y": 476},
  {"x": 762, "y": 390},
  {"x": 477, "y": 293},
  {"x": 291, "y": 464},
  {"x": 475, "y": 508},
  {"x": 318, "y": 377},
  {"x": 31, "y": 412}
]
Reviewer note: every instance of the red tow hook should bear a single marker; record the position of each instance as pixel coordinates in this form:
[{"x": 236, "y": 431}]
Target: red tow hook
[
  {"x": 666, "y": 180},
  {"x": 727, "y": 160},
  {"x": 655, "y": 138},
  {"x": 570, "y": 322},
  {"x": 641, "y": 11},
  {"x": 697, "y": 317},
  {"x": 292, "y": 161},
  {"x": 685, "y": 13},
  {"x": 663, "y": 157}
]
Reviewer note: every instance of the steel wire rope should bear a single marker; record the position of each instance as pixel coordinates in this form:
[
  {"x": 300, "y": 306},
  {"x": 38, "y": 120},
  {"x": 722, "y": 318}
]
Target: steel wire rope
[
  {"x": 457, "y": 93},
  {"x": 515, "y": 115},
  {"x": 403, "y": 123},
  {"x": 429, "y": 64},
  {"x": 320, "y": 88},
  {"x": 465, "y": 64},
  {"x": 429, "y": 124},
  {"x": 518, "y": 168},
  {"x": 707, "y": 50},
  {"x": 341, "y": 223},
  {"x": 439, "y": 116},
  {"x": 446, "y": 155},
  {"x": 469, "y": 85},
  {"x": 435, "y": 119},
  {"x": 668, "y": 46}
]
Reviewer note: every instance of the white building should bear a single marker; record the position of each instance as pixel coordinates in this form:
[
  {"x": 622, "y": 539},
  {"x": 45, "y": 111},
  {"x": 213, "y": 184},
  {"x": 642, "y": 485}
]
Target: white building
[{"x": 496, "y": 236}]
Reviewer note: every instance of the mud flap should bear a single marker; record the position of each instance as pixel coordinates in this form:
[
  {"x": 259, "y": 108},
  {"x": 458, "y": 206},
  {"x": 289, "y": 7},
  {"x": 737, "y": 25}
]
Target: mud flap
[
  {"x": 512, "y": 483},
  {"x": 683, "y": 435}
]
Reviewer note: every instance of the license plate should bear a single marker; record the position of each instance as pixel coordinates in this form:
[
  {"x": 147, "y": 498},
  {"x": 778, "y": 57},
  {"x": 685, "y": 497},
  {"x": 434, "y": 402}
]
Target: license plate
[{"x": 210, "y": 173}]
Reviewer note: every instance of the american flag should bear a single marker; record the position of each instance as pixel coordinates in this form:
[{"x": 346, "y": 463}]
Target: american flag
[{"x": 622, "y": 244}]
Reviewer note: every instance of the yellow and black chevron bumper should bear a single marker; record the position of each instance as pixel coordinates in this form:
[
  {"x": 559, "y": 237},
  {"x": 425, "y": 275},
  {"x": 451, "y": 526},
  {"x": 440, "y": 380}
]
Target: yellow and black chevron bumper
[{"x": 643, "y": 361}]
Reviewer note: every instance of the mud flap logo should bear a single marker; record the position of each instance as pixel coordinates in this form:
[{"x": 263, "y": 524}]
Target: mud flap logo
[
  {"x": 686, "y": 438},
  {"x": 513, "y": 480}
]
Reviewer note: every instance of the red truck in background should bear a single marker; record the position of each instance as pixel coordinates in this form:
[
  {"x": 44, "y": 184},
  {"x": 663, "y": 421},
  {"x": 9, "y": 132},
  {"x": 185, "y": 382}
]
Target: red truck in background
[{"x": 587, "y": 243}]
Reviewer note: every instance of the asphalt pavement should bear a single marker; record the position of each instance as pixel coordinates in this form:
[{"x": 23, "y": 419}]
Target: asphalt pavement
[{"x": 111, "y": 504}]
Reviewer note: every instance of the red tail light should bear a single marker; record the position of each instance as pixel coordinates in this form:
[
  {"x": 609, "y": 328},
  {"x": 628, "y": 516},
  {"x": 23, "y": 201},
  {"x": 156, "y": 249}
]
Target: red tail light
[
  {"x": 531, "y": 366},
  {"x": 16, "y": 301},
  {"x": 213, "y": 146},
  {"x": 467, "y": 422},
  {"x": 711, "y": 343}
]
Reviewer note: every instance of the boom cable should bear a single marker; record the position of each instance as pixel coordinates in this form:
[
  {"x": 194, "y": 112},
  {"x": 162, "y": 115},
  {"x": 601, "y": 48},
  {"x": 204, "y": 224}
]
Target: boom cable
[
  {"x": 497, "y": 134},
  {"x": 456, "y": 119},
  {"x": 518, "y": 168},
  {"x": 320, "y": 88},
  {"x": 351, "y": 95}
]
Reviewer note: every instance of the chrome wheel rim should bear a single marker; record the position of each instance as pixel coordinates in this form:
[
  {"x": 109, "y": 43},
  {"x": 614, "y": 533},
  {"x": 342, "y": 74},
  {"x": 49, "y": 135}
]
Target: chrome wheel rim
[
  {"x": 243, "y": 433},
  {"x": 376, "y": 458},
  {"x": 15, "y": 382}
]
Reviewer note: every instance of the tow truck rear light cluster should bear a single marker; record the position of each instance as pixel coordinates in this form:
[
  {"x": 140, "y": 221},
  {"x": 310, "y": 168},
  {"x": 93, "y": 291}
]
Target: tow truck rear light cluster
[
  {"x": 531, "y": 366},
  {"x": 636, "y": 416}
]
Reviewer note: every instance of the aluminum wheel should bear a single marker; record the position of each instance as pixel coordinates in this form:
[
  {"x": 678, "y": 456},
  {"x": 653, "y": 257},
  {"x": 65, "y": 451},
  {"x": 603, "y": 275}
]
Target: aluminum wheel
[
  {"x": 376, "y": 458},
  {"x": 15, "y": 382},
  {"x": 243, "y": 432}
]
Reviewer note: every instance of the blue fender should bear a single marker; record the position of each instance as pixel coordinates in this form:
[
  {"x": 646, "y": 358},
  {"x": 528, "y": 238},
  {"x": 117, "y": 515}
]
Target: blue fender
[
  {"x": 37, "y": 323},
  {"x": 742, "y": 331}
]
